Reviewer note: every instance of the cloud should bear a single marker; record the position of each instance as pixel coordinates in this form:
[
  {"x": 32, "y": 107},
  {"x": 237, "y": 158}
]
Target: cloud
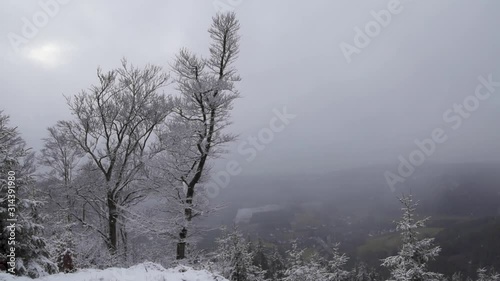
[{"x": 50, "y": 54}]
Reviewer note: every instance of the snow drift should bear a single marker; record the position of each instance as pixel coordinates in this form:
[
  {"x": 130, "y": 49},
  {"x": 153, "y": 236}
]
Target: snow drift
[{"x": 141, "y": 272}]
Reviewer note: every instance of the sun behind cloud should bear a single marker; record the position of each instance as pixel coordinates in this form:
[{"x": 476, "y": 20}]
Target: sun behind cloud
[{"x": 49, "y": 54}]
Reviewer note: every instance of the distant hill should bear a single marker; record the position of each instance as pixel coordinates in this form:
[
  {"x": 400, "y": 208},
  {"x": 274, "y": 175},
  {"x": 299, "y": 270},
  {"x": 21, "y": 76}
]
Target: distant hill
[{"x": 357, "y": 208}]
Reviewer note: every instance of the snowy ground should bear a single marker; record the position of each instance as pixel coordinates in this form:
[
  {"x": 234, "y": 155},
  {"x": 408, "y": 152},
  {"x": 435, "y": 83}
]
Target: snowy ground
[{"x": 140, "y": 272}]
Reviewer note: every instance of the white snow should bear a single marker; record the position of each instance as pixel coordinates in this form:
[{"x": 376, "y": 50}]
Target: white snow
[{"x": 141, "y": 272}]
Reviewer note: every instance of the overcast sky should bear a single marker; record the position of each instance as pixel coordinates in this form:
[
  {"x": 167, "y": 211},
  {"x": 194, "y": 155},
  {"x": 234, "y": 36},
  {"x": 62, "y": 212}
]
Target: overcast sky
[{"x": 371, "y": 110}]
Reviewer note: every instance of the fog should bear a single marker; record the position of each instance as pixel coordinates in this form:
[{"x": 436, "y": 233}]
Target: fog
[{"x": 367, "y": 111}]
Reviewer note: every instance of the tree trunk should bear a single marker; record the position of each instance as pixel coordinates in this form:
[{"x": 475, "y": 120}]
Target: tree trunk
[
  {"x": 188, "y": 211},
  {"x": 123, "y": 232},
  {"x": 112, "y": 221},
  {"x": 188, "y": 214},
  {"x": 181, "y": 245}
]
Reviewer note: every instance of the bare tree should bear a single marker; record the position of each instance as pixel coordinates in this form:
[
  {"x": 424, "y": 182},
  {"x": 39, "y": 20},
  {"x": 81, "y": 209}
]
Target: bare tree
[
  {"x": 113, "y": 124},
  {"x": 196, "y": 132},
  {"x": 61, "y": 158}
]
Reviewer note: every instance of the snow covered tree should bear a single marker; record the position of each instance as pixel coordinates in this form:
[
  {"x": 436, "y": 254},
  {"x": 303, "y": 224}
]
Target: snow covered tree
[
  {"x": 196, "y": 132},
  {"x": 34, "y": 260},
  {"x": 335, "y": 260},
  {"x": 360, "y": 272},
  {"x": 276, "y": 265},
  {"x": 260, "y": 258},
  {"x": 484, "y": 275},
  {"x": 301, "y": 269},
  {"x": 61, "y": 158},
  {"x": 63, "y": 252},
  {"x": 19, "y": 210},
  {"x": 235, "y": 259},
  {"x": 411, "y": 262},
  {"x": 113, "y": 124},
  {"x": 457, "y": 276},
  {"x": 335, "y": 264}
]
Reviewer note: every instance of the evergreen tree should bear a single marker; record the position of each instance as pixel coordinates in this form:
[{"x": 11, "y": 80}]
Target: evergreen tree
[
  {"x": 361, "y": 272},
  {"x": 259, "y": 257},
  {"x": 276, "y": 265},
  {"x": 235, "y": 259},
  {"x": 16, "y": 173},
  {"x": 457, "y": 276},
  {"x": 411, "y": 262},
  {"x": 63, "y": 252},
  {"x": 335, "y": 264},
  {"x": 484, "y": 275},
  {"x": 299, "y": 269}
]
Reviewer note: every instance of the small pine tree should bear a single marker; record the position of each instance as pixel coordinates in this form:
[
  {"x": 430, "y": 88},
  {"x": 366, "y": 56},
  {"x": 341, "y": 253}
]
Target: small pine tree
[
  {"x": 361, "y": 272},
  {"x": 484, "y": 275},
  {"x": 411, "y": 262},
  {"x": 259, "y": 257},
  {"x": 335, "y": 264},
  {"x": 235, "y": 259},
  {"x": 457, "y": 276},
  {"x": 276, "y": 265},
  {"x": 63, "y": 252},
  {"x": 299, "y": 269},
  {"x": 31, "y": 246}
]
